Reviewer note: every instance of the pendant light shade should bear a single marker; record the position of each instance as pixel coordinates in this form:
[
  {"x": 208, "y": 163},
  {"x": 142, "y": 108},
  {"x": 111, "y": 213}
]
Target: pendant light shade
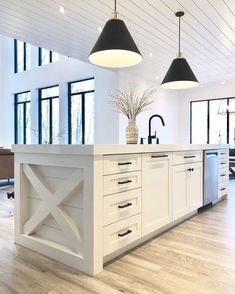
[
  {"x": 179, "y": 75},
  {"x": 115, "y": 48}
]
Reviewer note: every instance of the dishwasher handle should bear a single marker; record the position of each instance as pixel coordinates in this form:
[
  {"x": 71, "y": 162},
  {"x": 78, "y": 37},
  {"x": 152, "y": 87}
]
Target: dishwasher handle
[{"x": 212, "y": 154}]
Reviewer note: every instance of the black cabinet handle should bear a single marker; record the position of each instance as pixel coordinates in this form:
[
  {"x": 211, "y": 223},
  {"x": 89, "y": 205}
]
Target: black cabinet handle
[
  {"x": 124, "y": 234},
  {"x": 222, "y": 153},
  {"x": 190, "y": 169},
  {"x": 125, "y": 182},
  {"x": 223, "y": 163},
  {"x": 222, "y": 189},
  {"x": 125, "y": 163},
  {"x": 189, "y": 156},
  {"x": 159, "y": 156},
  {"x": 125, "y": 205},
  {"x": 223, "y": 175}
]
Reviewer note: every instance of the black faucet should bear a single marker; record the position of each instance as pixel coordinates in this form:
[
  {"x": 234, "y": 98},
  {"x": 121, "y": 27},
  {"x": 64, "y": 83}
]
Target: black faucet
[{"x": 150, "y": 137}]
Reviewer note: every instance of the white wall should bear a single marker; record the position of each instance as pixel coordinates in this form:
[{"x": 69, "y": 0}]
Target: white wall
[
  {"x": 210, "y": 91},
  {"x": 61, "y": 72},
  {"x": 165, "y": 104}
]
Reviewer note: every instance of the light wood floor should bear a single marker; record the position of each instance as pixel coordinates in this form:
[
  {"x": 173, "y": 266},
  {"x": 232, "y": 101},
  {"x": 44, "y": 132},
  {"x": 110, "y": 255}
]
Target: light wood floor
[{"x": 196, "y": 257}]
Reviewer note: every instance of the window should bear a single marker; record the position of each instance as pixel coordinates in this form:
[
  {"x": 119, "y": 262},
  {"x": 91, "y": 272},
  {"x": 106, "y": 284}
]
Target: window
[
  {"x": 81, "y": 112},
  {"x": 22, "y": 118},
  {"x": 211, "y": 123},
  {"x": 46, "y": 56},
  {"x": 218, "y": 124},
  {"x": 49, "y": 115},
  {"x": 232, "y": 123},
  {"x": 22, "y": 55}
]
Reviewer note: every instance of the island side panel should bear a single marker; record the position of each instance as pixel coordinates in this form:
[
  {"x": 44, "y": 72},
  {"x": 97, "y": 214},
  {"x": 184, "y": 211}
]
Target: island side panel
[
  {"x": 93, "y": 216},
  {"x": 59, "y": 208}
]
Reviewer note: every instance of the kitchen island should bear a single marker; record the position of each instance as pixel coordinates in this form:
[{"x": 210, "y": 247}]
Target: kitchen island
[{"x": 83, "y": 205}]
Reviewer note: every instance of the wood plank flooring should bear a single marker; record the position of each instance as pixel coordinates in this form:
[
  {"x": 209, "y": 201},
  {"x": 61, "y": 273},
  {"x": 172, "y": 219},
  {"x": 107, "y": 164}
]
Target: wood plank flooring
[{"x": 196, "y": 257}]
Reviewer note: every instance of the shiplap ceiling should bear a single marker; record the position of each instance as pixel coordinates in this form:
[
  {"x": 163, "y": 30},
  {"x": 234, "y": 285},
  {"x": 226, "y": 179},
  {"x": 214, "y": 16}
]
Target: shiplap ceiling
[{"x": 208, "y": 31}]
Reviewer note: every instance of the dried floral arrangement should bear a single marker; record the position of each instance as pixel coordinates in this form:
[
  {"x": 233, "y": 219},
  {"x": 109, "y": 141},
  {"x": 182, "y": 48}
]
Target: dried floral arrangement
[{"x": 129, "y": 103}]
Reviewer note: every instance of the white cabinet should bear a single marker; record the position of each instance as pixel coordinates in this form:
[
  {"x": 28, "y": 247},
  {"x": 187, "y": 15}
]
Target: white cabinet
[
  {"x": 180, "y": 193},
  {"x": 195, "y": 187},
  {"x": 223, "y": 173},
  {"x": 121, "y": 233},
  {"x": 187, "y": 188},
  {"x": 156, "y": 196},
  {"x": 121, "y": 205}
]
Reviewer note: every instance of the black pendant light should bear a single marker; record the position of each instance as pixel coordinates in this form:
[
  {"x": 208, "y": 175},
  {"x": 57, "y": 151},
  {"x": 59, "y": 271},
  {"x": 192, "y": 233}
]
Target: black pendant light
[
  {"x": 179, "y": 75},
  {"x": 115, "y": 48}
]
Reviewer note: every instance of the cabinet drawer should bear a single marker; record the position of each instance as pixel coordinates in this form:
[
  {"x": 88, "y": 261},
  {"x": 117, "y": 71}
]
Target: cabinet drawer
[
  {"x": 223, "y": 164},
  {"x": 121, "y": 182},
  {"x": 223, "y": 189},
  {"x": 121, "y": 205},
  {"x": 223, "y": 175},
  {"x": 121, "y": 163},
  {"x": 186, "y": 157},
  {"x": 223, "y": 154},
  {"x": 122, "y": 233}
]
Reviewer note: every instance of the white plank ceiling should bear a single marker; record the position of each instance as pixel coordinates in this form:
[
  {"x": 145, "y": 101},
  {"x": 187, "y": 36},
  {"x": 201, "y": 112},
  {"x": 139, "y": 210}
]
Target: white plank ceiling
[{"x": 208, "y": 31}]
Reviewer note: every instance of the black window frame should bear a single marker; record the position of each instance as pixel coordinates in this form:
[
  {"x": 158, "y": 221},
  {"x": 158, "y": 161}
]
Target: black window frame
[
  {"x": 208, "y": 117},
  {"x": 40, "y": 56},
  {"x": 83, "y": 105},
  {"x": 16, "y": 103},
  {"x": 40, "y": 99},
  {"x": 16, "y": 56}
]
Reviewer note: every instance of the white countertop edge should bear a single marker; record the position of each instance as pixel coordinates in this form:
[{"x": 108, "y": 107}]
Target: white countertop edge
[{"x": 108, "y": 149}]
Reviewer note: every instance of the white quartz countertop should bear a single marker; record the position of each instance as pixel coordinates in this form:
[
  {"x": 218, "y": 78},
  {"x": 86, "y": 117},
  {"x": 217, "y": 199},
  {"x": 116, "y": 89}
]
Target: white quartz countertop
[{"x": 105, "y": 149}]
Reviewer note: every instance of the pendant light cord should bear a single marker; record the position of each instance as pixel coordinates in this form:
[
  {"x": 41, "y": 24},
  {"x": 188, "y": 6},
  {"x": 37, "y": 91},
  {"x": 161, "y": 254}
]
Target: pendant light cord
[
  {"x": 179, "y": 36},
  {"x": 115, "y": 5}
]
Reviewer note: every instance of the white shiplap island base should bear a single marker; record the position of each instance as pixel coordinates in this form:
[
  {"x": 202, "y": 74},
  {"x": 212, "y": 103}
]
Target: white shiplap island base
[{"x": 85, "y": 204}]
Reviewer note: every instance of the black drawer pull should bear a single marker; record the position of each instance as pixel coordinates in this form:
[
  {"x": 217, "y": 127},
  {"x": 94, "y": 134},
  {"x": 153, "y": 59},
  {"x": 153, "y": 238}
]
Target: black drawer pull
[
  {"x": 125, "y": 205},
  {"x": 124, "y": 234},
  {"x": 159, "y": 156},
  {"x": 223, "y": 163},
  {"x": 189, "y": 156},
  {"x": 125, "y": 163},
  {"x": 222, "y": 189},
  {"x": 190, "y": 169},
  {"x": 223, "y": 175},
  {"x": 125, "y": 182},
  {"x": 222, "y": 153}
]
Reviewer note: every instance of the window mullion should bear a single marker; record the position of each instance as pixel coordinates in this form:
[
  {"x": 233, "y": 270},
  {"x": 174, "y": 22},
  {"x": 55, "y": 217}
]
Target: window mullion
[
  {"x": 24, "y": 123},
  {"x": 208, "y": 122},
  {"x": 50, "y": 122},
  {"x": 39, "y": 118},
  {"x": 69, "y": 116},
  {"x": 83, "y": 118},
  {"x": 16, "y": 119},
  {"x": 15, "y": 56},
  {"x": 39, "y": 56},
  {"x": 228, "y": 126},
  {"x": 50, "y": 56}
]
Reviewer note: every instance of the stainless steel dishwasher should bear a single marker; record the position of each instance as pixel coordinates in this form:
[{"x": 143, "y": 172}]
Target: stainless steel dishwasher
[{"x": 211, "y": 177}]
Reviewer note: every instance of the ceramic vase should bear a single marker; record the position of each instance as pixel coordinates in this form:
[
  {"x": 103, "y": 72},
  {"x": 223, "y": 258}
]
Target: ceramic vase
[{"x": 132, "y": 132}]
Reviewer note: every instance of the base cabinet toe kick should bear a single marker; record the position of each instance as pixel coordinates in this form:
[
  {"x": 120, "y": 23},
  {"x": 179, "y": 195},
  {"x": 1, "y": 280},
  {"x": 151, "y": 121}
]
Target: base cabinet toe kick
[{"x": 83, "y": 209}]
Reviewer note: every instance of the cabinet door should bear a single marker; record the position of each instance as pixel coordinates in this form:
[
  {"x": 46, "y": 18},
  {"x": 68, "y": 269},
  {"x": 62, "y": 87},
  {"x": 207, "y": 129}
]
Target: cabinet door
[
  {"x": 156, "y": 198},
  {"x": 195, "y": 188},
  {"x": 180, "y": 197}
]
